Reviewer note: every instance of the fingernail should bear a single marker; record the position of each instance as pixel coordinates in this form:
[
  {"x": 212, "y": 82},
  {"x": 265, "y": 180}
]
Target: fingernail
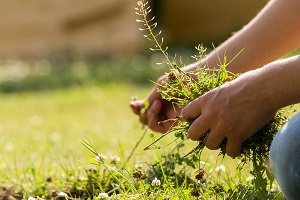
[{"x": 132, "y": 103}]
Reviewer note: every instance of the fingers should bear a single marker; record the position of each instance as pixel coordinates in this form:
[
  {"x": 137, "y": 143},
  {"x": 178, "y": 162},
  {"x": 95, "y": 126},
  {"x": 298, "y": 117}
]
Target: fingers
[
  {"x": 154, "y": 95},
  {"x": 192, "y": 110},
  {"x": 136, "y": 106},
  {"x": 198, "y": 128},
  {"x": 233, "y": 147},
  {"x": 214, "y": 140},
  {"x": 152, "y": 114}
]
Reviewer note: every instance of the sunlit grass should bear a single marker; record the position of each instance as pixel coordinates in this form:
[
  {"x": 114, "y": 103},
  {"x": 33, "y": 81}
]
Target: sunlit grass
[
  {"x": 44, "y": 129},
  {"x": 41, "y": 134}
]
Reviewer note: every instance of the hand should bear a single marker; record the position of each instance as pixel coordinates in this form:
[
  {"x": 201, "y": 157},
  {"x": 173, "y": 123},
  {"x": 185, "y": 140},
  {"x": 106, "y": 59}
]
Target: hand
[
  {"x": 159, "y": 110},
  {"x": 234, "y": 111}
]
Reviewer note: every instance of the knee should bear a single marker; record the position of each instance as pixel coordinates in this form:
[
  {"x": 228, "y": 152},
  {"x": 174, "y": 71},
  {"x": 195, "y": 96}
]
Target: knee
[
  {"x": 287, "y": 140},
  {"x": 285, "y": 158}
]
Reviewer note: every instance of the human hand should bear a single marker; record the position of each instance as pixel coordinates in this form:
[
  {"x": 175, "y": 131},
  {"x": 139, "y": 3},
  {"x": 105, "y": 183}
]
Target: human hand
[
  {"x": 158, "y": 110},
  {"x": 235, "y": 111}
]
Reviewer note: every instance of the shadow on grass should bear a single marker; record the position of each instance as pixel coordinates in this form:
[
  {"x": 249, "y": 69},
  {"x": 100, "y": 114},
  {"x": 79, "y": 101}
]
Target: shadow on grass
[{"x": 35, "y": 75}]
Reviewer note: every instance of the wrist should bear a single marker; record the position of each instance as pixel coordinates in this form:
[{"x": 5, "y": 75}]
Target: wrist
[
  {"x": 258, "y": 88},
  {"x": 278, "y": 82}
]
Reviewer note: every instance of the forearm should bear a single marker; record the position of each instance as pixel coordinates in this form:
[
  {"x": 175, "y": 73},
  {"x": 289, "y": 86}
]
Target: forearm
[
  {"x": 272, "y": 33},
  {"x": 278, "y": 81}
]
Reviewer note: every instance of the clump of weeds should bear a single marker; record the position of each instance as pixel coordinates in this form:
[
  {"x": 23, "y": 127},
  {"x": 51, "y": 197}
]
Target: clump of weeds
[{"x": 181, "y": 87}]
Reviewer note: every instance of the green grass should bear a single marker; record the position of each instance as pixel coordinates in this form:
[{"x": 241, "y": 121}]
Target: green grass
[
  {"x": 37, "y": 75},
  {"x": 41, "y": 134},
  {"x": 51, "y": 124},
  {"x": 42, "y": 130}
]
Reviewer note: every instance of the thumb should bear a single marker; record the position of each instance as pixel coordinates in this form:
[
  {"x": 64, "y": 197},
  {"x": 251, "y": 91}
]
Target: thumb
[{"x": 154, "y": 95}]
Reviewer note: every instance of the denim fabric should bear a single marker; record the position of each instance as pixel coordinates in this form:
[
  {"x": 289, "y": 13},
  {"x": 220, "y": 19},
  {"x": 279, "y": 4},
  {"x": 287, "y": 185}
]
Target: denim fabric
[{"x": 285, "y": 158}]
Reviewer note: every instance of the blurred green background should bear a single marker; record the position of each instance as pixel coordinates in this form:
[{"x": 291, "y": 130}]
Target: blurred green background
[{"x": 53, "y": 44}]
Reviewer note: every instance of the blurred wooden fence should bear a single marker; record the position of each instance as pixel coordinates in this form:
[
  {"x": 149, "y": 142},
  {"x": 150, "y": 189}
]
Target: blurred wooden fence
[
  {"x": 39, "y": 28},
  {"x": 87, "y": 27}
]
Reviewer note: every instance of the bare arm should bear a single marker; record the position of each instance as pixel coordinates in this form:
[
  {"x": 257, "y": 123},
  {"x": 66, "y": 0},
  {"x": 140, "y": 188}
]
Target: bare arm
[
  {"x": 271, "y": 34},
  {"x": 239, "y": 108},
  {"x": 280, "y": 81}
]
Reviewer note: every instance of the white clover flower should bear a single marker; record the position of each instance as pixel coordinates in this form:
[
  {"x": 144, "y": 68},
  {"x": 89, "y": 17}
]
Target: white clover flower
[
  {"x": 103, "y": 195},
  {"x": 203, "y": 185},
  {"x": 220, "y": 169},
  {"x": 115, "y": 159},
  {"x": 31, "y": 198},
  {"x": 155, "y": 182},
  {"x": 62, "y": 195},
  {"x": 139, "y": 165},
  {"x": 249, "y": 178},
  {"x": 274, "y": 189}
]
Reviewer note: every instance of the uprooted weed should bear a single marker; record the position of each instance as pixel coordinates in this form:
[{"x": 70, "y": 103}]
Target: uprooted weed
[{"x": 182, "y": 87}]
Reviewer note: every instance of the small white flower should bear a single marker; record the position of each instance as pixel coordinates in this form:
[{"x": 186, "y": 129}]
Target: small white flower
[
  {"x": 31, "y": 198},
  {"x": 202, "y": 184},
  {"x": 103, "y": 195},
  {"x": 82, "y": 178},
  {"x": 139, "y": 165},
  {"x": 155, "y": 182},
  {"x": 150, "y": 171},
  {"x": 249, "y": 178},
  {"x": 274, "y": 189},
  {"x": 62, "y": 195},
  {"x": 115, "y": 159},
  {"x": 220, "y": 169}
]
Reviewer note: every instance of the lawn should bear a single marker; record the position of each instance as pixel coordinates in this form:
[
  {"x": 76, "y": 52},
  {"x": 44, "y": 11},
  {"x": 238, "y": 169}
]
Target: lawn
[{"x": 42, "y": 131}]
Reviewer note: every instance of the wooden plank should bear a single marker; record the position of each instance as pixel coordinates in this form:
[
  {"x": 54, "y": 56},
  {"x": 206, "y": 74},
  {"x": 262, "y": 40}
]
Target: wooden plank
[{"x": 39, "y": 28}]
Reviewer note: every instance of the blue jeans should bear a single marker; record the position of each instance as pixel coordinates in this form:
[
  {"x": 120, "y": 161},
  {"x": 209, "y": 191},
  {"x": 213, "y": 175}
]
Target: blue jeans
[{"x": 285, "y": 158}]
